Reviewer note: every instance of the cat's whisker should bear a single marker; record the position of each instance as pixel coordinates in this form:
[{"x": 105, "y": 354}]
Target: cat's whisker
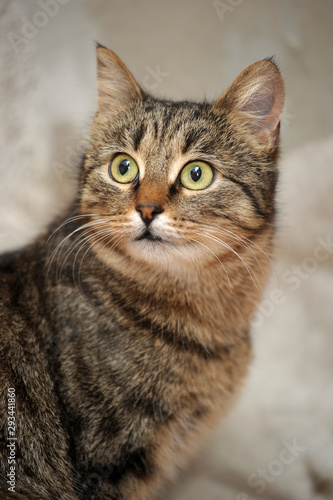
[
  {"x": 116, "y": 241},
  {"x": 240, "y": 242},
  {"x": 242, "y": 238},
  {"x": 81, "y": 228},
  {"x": 104, "y": 234},
  {"x": 59, "y": 246},
  {"x": 94, "y": 237},
  {"x": 85, "y": 239},
  {"x": 63, "y": 242},
  {"x": 251, "y": 243},
  {"x": 84, "y": 227},
  {"x": 228, "y": 247},
  {"x": 69, "y": 250},
  {"x": 106, "y": 237},
  {"x": 84, "y": 235},
  {"x": 213, "y": 253},
  {"x": 76, "y": 218},
  {"x": 81, "y": 243}
]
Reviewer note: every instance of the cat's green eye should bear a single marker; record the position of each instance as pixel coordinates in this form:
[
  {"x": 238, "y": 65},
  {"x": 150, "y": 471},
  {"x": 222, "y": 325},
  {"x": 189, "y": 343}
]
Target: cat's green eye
[
  {"x": 123, "y": 169},
  {"x": 196, "y": 175}
]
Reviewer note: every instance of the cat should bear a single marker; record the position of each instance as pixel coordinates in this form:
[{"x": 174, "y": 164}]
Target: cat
[{"x": 125, "y": 325}]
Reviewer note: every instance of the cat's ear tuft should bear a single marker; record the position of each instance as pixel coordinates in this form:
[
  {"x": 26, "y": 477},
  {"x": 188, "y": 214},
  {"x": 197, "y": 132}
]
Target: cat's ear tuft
[
  {"x": 257, "y": 96},
  {"x": 117, "y": 89}
]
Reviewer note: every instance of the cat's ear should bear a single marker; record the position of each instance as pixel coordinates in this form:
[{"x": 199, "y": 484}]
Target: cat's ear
[
  {"x": 117, "y": 89},
  {"x": 257, "y": 97}
]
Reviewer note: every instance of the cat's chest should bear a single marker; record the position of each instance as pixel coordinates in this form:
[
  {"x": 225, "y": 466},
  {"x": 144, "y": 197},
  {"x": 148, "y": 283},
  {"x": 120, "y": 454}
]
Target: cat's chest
[
  {"x": 130, "y": 359},
  {"x": 126, "y": 327},
  {"x": 195, "y": 311}
]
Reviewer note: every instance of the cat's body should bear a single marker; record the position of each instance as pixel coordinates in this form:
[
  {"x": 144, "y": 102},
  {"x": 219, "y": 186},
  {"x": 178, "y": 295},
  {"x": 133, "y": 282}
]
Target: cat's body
[{"x": 124, "y": 331}]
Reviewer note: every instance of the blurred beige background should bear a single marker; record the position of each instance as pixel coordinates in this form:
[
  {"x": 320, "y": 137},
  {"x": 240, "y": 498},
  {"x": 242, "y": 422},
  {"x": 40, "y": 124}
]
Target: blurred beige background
[{"x": 194, "y": 49}]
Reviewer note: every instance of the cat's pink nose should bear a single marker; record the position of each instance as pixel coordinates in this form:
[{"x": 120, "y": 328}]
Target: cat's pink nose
[{"x": 148, "y": 212}]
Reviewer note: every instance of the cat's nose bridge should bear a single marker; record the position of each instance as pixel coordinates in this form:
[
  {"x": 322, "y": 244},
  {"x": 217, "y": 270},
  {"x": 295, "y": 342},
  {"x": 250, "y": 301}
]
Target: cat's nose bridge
[
  {"x": 150, "y": 202},
  {"x": 149, "y": 194}
]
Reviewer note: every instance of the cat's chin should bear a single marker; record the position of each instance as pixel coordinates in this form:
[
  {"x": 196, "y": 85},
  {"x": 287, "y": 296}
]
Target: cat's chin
[
  {"x": 163, "y": 254},
  {"x": 148, "y": 236}
]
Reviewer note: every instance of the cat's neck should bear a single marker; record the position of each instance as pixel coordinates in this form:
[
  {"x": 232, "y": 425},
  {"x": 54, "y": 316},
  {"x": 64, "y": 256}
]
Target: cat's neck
[{"x": 203, "y": 298}]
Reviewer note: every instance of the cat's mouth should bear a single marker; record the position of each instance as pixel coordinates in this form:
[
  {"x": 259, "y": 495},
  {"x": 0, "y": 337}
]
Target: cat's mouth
[{"x": 147, "y": 235}]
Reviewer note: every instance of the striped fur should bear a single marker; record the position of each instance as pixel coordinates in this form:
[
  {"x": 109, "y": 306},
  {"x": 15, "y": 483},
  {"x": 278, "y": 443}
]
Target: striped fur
[{"x": 124, "y": 351}]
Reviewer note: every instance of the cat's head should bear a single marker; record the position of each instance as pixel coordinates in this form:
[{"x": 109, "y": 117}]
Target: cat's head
[{"x": 177, "y": 182}]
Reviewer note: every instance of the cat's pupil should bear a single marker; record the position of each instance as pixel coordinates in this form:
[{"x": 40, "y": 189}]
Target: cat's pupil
[
  {"x": 196, "y": 173},
  {"x": 124, "y": 167}
]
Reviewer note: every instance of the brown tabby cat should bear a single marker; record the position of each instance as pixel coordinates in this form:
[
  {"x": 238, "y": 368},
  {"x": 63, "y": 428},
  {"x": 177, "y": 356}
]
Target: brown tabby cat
[{"x": 124, "y": 328}]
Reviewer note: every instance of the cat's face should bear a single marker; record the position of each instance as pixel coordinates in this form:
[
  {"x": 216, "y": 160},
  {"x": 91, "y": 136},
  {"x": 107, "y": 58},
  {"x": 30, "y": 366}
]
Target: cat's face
[{"x": 177, "y": 183}]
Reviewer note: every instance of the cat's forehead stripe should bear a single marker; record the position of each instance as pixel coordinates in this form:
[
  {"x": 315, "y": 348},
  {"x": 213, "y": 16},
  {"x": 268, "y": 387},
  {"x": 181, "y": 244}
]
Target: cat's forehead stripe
[
  {"x": 171, "y": 126},
  {"x": 138, "y": 136}
]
